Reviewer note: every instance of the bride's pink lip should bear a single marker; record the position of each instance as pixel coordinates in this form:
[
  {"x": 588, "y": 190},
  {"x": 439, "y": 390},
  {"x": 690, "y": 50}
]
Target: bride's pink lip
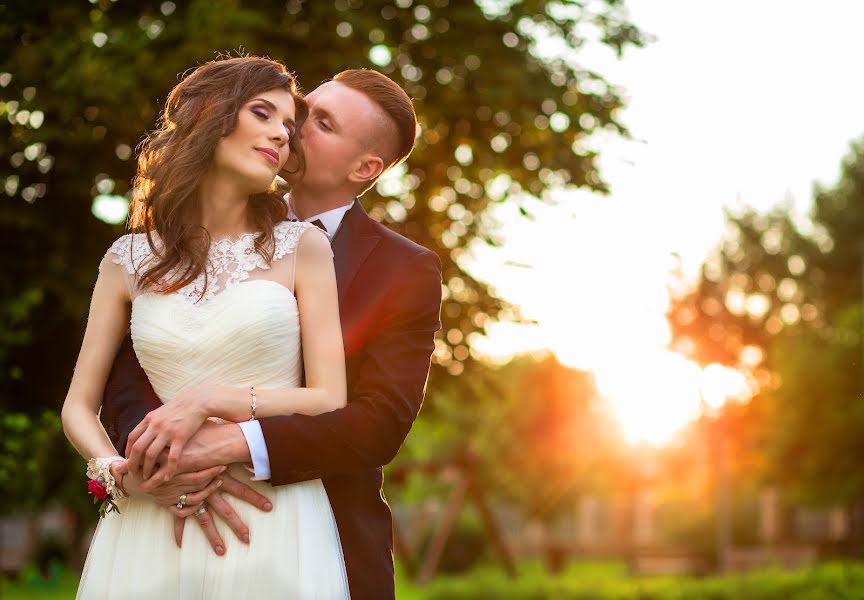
[{"x": 270, "y": 154}]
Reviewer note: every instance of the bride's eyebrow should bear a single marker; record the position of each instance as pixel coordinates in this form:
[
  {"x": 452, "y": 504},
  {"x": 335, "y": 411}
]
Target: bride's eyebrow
[{"x": 272, "y": 106}]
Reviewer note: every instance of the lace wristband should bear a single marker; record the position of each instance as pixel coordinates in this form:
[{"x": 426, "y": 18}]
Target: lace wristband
[{"x": 101, "y": 484}]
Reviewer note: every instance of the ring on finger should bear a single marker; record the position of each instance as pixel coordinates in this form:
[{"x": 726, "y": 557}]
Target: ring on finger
[
  {"x": 201, "y": 510},
  {"x": 182, "y": 501}
]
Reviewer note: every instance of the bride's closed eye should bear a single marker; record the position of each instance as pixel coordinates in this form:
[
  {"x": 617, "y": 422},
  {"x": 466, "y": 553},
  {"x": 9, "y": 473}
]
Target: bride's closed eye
[{"x": 264, "y": 114}]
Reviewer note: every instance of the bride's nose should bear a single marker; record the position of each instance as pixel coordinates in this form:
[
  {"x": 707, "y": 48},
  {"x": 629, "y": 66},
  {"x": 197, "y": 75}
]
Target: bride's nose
[{"x": 279, "y": 135}]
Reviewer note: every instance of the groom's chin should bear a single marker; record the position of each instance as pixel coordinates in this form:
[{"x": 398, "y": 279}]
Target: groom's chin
[
  {"x": 291, "y": 172},
  {"x": 290, "y": 178}
]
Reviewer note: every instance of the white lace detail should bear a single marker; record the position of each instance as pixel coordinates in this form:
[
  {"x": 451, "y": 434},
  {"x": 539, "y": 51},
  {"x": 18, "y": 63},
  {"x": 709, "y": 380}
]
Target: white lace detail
[
  {"x": 229, "y": 262},
  {"x": 287, "y": 236}
]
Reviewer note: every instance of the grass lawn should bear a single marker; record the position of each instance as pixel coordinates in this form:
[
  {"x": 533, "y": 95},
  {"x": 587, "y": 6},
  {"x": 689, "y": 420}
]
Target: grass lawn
[{"x": 579, "y": 581}]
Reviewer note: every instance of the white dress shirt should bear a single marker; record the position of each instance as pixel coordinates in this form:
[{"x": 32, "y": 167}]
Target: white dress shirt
[{"x": 332, "y": 220}]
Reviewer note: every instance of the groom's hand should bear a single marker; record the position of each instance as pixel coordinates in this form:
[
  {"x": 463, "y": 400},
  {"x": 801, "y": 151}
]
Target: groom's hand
[
  {"x": 213, "y": 444},
  {"x": 218, "y": 505}
]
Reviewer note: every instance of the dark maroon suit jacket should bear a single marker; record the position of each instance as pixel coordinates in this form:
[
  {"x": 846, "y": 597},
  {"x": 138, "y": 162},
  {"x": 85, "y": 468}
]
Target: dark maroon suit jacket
[{"x": 389, "y": 304}]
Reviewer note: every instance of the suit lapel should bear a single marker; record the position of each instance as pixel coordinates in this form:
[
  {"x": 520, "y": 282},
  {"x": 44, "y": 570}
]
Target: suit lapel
[{"x": 352, "y": 243}]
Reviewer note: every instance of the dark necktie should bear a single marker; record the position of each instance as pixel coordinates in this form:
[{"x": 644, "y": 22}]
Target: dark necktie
[{"x": 317, "y": 223}]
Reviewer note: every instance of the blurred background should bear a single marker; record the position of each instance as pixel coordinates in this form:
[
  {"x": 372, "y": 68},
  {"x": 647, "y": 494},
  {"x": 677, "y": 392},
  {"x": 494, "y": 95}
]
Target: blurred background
[{"x": 650, "y": 378}]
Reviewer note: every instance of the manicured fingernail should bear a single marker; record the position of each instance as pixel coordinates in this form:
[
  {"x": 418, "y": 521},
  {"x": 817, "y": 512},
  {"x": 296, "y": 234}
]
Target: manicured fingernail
[
  {"x": 220, "y": 550},
  {"x": 223, "y": 469},
  {"x": 246, "y": 538},
  {"x": 218, "y": 483},
  {"x": 166, "y": 478},
  {"x": 268, "y": 506}
]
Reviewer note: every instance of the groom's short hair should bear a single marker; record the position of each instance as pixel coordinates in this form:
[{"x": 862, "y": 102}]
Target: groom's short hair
[{"x": 394, "y": 103}]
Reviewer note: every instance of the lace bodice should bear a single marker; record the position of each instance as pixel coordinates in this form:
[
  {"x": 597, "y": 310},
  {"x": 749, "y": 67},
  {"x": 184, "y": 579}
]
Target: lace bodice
[
  {"x": 244, "y": 331},
  {"x": 229, "y": 262}
]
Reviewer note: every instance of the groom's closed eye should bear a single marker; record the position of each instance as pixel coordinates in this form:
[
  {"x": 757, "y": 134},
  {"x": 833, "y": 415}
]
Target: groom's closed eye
[{"x": 324, "y": 120}]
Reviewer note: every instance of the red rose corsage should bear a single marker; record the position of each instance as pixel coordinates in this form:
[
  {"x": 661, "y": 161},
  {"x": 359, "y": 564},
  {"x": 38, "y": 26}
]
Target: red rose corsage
[{"x": 102, "y": 486}]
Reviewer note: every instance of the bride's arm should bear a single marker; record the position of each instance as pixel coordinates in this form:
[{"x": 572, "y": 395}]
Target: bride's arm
[
  {"x": 323, "y": 351},
  {"x": 106, "y": 326}
]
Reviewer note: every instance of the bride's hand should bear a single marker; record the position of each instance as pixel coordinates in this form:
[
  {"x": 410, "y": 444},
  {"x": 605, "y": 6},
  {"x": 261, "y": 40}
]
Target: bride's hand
[
  {"x": 169, "y": 426},
  {"x": 198, "y": 487}
]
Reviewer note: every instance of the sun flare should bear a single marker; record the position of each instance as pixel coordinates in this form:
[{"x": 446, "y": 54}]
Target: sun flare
[
  {"x": 656, "y": 397},
  {"x": 653, "y": 398}
]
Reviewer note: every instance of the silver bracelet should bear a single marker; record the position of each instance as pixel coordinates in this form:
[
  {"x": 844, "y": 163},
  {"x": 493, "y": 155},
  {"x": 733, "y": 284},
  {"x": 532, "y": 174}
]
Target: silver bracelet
[{"x": 254, "y": 400}]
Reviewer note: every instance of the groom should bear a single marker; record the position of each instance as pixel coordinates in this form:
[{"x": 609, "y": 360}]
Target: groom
[{"x": 360, "y": 125}]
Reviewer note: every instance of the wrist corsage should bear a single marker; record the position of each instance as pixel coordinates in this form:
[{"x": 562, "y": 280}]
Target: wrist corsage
[{"x": 102, "y": 486}]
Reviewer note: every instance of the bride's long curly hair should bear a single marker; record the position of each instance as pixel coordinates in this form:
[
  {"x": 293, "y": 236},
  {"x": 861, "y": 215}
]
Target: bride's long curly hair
[{"x": 199, "y": 111}]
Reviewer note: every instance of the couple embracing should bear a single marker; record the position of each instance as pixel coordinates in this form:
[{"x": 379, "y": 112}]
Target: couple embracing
[{"x": 256, "y": 357}]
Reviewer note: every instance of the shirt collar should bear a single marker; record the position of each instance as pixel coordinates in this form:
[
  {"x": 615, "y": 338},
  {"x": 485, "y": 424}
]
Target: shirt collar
[{"x": 331, "y": 219}]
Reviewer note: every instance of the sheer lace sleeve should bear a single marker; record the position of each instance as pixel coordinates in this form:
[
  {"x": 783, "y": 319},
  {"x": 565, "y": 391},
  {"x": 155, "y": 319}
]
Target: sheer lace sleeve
[
  {"x": 286, "y": 235},
  {"x": 130, "y": 252}
]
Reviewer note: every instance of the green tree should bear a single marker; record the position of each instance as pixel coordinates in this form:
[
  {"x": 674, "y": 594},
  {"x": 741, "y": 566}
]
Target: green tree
[
  {"x": 795, "y": 292},
  {"x": 82, "y": 83},
  {"x": 772, "y": 274},
  {"x": 34, "y": 463},
  {"x": 539, "y": 431}
]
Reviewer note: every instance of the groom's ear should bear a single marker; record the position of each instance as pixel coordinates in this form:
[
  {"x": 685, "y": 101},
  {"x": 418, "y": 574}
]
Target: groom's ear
[{"x": 369, "y": 169}]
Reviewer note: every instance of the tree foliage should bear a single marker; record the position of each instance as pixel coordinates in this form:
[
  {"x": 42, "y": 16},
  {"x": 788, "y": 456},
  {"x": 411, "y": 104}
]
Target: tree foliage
[
  {"x": 539, "y": 433},
  {"x": 81, "y": 83},
  {"x": 795, "y": 292}
]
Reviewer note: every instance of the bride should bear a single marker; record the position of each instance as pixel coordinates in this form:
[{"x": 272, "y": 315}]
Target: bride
[{"x": 229, "y": 306}]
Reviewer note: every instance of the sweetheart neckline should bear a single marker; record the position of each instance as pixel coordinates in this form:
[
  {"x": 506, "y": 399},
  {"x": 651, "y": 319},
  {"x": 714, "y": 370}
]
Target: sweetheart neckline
[{"x": 220, "y": 294}]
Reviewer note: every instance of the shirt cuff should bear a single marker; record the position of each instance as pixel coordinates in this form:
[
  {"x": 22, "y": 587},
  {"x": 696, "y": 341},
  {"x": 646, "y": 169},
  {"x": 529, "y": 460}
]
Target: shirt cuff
[{"x": 257, "y": 448}]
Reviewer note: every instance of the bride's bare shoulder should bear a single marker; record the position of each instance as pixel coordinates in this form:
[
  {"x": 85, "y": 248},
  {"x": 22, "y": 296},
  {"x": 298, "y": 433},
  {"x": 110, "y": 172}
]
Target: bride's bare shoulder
[{"x": 313, "y": 242}]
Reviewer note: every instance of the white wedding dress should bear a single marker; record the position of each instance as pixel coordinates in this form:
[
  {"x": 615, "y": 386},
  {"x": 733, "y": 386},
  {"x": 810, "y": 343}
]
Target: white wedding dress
[{"x": 244, "y": 331}]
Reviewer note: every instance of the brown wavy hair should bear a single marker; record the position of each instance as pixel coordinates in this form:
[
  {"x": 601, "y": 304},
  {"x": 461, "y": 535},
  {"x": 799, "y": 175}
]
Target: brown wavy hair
[{"x": 172, "y": 159}]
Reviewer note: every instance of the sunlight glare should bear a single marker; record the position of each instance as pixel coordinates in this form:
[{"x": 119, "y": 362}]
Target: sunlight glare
[
  {"x": 653, "y": 398},
  {"x": 721, "y": 384}
]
